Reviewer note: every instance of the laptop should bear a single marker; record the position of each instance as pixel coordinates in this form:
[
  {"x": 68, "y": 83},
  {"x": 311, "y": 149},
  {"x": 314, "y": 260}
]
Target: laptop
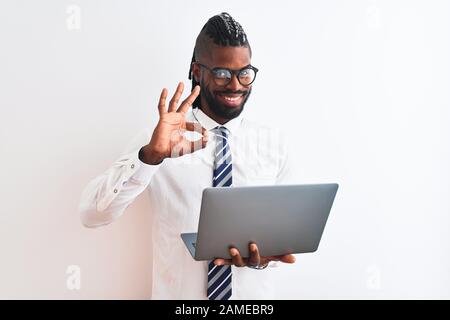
[{"x": 280, "y": 219}]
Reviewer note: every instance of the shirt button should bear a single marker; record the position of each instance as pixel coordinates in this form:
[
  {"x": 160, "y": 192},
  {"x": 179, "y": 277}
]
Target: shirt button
[
  {"x": 115, "y": 190},
  {"x": 132, "y": 166}
]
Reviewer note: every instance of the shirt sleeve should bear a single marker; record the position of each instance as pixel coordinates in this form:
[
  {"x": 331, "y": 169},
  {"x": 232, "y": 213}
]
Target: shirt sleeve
[{"x": 106, "y": 197}]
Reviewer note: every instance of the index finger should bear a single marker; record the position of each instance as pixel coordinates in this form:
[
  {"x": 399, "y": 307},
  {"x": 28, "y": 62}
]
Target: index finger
[
  {"x": 189, "y": 100},
  {"x": 196, "y": 127}
]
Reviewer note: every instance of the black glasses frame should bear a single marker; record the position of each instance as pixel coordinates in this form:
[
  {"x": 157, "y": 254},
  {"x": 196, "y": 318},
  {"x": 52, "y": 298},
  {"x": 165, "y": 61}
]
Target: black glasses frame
[{"x": 232, "y": 72}]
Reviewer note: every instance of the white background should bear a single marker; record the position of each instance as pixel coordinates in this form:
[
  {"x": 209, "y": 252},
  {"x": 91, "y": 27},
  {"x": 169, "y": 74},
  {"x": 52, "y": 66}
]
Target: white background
[{"x": 362, "y": 87}]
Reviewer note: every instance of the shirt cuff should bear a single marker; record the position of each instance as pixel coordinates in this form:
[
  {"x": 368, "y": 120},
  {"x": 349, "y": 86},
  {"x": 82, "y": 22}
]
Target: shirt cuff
[{"x": 143, "y": 172}]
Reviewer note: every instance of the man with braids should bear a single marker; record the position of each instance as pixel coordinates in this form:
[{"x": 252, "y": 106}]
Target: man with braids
[{"x": 175, "y": 169}]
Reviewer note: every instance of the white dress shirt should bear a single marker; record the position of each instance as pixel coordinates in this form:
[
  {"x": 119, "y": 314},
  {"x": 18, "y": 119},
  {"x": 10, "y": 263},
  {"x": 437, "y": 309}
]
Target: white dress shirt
[{"x": 175, "y": 187}]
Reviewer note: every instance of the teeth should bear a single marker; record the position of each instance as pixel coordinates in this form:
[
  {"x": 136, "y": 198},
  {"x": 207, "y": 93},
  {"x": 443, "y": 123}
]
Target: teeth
[{"x": 231, "y": 98}]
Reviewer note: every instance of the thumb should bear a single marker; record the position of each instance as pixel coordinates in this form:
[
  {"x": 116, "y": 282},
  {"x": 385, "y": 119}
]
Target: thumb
[{"x": 288, "y": 258}]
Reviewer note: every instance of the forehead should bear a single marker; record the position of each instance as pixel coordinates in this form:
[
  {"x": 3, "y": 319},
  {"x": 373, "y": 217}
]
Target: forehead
[{"x": 229, "y": 57}]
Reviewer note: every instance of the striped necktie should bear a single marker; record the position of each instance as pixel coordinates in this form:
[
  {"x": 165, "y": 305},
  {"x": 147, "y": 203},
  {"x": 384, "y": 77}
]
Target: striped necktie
[{"x": 219, "y": 277}]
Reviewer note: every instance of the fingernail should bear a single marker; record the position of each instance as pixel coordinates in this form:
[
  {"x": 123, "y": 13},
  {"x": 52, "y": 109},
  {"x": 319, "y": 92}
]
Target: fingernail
[
  {"x": 218, "y": 263},
  {"x": 233, "y": 252},
  {"x": 253, "y": 247}
]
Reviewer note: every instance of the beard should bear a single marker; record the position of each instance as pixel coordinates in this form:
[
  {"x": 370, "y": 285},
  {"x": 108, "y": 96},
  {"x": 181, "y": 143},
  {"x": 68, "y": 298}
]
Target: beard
[{"x": 219, "y": 108}]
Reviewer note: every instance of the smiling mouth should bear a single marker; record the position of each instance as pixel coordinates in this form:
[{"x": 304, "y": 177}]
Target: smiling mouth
[{"x": 232, "y": 99}]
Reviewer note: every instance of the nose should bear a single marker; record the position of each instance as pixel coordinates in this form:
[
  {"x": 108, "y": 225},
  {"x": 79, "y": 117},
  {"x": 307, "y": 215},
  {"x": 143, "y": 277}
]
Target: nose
[{"x": 234, "y": 84}]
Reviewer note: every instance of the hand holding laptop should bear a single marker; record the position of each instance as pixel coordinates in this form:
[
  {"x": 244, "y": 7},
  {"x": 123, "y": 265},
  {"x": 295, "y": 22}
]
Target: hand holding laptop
[
  {"x": 254, "y": 259},
  {"x": 251, "y": 226}
]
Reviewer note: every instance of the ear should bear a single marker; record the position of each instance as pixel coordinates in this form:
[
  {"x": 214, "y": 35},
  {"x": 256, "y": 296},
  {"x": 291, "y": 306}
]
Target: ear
[{"x": 196, "y": 72}]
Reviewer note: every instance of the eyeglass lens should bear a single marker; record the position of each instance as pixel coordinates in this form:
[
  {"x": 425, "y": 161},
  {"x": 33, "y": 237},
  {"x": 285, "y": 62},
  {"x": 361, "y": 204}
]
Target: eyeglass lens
[{"x": 245, "y": 76}]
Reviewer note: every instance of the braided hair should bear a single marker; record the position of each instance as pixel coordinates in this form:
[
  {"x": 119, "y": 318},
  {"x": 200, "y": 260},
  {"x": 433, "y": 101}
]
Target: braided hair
[{"x": 223, "y": 31}]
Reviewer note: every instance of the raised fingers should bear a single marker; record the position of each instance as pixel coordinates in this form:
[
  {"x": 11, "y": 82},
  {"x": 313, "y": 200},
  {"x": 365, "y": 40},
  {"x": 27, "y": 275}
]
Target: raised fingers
[
  {"x": 189, "y": 100},
  {"x": 162, "y": 102},
  {"x": 176, "y": 97}
]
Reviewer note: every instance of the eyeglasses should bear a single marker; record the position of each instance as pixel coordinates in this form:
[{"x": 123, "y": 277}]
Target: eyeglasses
[{"x": 222, "y": 76}]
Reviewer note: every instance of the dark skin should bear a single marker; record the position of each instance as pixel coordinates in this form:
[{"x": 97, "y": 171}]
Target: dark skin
[
  {"x": 233, "y": 58},
  {"x": 173, "y": 118}
]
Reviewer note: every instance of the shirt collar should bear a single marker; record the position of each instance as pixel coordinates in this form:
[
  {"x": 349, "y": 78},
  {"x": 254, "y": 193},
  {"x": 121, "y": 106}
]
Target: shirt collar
[{"x": 209, "y": 124}]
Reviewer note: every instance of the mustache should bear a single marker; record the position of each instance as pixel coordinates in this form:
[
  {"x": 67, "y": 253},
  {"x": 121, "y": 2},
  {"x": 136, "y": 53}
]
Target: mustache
[{"x": 232, "y": 92}]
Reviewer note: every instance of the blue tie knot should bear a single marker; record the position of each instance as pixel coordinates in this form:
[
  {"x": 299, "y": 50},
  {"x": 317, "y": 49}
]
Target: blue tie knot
[{"x": 221, "y": 131}]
